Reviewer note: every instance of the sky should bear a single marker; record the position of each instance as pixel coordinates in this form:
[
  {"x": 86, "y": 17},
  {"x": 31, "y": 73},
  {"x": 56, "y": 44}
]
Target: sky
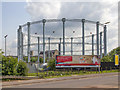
[{"x": 18, "y": 13}]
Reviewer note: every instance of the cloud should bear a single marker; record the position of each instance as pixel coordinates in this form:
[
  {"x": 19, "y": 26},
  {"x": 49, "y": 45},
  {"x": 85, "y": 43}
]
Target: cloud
[{"x": 43, "y": 10}]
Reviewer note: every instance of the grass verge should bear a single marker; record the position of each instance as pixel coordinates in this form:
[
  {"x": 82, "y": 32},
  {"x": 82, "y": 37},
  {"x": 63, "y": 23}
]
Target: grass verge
[{"x": 56, "y": 74}]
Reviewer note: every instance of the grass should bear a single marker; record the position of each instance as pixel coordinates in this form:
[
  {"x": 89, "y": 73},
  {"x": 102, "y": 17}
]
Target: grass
[
  {"x": 56, "y": 74},
  {"x": 51, "y": 74}
]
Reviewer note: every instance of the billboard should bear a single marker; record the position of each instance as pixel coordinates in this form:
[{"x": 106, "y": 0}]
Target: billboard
[{"x": 78, "y": 61}]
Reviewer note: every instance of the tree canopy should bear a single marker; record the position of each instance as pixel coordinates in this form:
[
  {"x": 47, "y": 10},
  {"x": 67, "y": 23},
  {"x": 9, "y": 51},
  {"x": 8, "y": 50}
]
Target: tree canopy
[{"x": 110, "y": 55}]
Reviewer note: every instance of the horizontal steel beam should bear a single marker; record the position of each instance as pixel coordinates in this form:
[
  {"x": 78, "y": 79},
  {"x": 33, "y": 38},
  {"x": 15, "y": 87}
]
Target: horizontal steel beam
[
  {"x": 60, "y": 20},
  {"x": 61, "y": 43}
]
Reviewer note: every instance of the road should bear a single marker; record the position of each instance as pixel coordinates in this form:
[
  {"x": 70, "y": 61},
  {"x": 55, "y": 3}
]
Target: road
[{"x": 90, "y": 82}]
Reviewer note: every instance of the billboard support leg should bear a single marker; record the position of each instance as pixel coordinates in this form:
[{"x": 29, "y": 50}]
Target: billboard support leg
[{"x": 99, "y": 68}]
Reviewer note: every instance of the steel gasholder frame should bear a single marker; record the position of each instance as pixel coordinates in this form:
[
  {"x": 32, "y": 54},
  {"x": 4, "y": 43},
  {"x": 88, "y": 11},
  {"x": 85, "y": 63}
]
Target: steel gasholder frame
[{"x": 63, "y": 20}]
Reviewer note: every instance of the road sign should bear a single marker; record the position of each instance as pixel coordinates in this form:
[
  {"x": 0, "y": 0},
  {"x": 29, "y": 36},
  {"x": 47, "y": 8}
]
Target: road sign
[{"x": 116, "y": 60}]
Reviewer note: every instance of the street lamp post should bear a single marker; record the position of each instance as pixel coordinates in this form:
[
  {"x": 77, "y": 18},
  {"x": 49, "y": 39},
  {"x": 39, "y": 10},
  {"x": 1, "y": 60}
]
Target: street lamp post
[{"x": 5, "y": 43}]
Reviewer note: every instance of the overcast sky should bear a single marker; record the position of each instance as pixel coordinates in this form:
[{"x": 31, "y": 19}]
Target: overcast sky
[{"x": 18, "y": 13}]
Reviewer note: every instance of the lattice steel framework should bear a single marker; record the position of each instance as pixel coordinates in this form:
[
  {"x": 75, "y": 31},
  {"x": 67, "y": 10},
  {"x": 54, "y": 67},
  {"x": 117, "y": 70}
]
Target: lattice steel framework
[{"x": 101, "y": 38}]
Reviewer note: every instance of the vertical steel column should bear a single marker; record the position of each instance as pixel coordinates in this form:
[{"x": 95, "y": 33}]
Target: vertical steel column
[
  {"x": 28, "y": 24},
  {"x": 60, "y": 47},
  {"x": 71, "y": 46},
  {"x": 63, "y": 20},
  {"x": 93, "y": 44},
  {"x": 49, "y": 48},
  {"x": 97, "y": 28},
  {"x": 83, "y": 37},
  {"x": 105, "y": 40},
  {"x": 18, "y": 44},
  {"x": 21, "y": 45},
  {"x": 43, "y": 40},
  {"x": 20, "y": 32},
  {"x": 100, "y": 44},
  {"x": 38, "y": 48}
]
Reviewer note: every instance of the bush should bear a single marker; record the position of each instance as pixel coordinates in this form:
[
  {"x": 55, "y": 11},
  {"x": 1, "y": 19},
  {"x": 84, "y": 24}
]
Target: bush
[
  {"x": 41, "y": 60},
  {"x": 9, "y": 65},
  {"x": 22, "y": 69},
  {"x": 51, "y": 64},
  {"x": 33, "y": 59}
]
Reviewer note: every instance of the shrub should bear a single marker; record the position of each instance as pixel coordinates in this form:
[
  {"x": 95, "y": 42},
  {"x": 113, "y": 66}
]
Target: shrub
[
  {"x": 9, "y": 65},
  {"x": 51, "y": 64},
  {"x": 33, "y": 59},
  {"x": 22, "y": 69},
  {"x": 41, "y": 60}
]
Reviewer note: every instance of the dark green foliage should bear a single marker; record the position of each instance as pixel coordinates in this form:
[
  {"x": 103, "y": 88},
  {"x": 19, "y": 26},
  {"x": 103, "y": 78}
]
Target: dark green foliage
[
  {"x": 25, "y": 59},
  {"x": 22, "y": 69},
  {"x": 9, "y": 65},
  {"x": 106, "y": 59},
  {"x": 41, "y": 60},
  {"x": 51, "y": 64},
  {"x": 110, "y": 56},
  {"x": 33, "y": 59}
]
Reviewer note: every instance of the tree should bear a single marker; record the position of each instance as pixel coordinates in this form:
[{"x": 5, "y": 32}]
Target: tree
[{"x": 110, "y": 55}]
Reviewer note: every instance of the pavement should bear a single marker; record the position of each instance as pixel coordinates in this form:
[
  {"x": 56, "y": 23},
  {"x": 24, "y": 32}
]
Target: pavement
[{"x": 104, "y": 80}]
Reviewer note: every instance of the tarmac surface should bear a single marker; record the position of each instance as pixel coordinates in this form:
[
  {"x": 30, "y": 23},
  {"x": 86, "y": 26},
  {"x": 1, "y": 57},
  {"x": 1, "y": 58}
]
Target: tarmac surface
[{"x": 106, "y": 80}]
